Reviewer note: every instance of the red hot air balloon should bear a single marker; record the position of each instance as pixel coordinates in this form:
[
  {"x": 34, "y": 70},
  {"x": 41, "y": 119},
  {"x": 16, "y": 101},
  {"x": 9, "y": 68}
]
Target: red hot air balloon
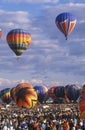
[{"x": 51, "y": 92}]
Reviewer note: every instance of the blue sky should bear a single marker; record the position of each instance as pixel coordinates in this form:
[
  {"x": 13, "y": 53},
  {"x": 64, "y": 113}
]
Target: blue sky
[{"x": 50, "y": 59}]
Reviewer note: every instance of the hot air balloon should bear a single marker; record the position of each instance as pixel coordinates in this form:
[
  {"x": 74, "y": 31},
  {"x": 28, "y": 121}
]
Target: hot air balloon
[
  {"x": 51, "y": 92},
  {"x": 65, "y": 22},
  {"x": 81, "y": 107},
  {"x": 81, "y": 103},
  {"x": 83, "y": 92},
  {"x": 41, "y": 92},
  {"x": 5, "y": 95},
  {"x": 25, "y": 96},
  {"x": 12, "y": 93},
  {"x": 59, "y": 91},
  {"x": 72, "y": 92},
  {"x": 18, "y": 40}
]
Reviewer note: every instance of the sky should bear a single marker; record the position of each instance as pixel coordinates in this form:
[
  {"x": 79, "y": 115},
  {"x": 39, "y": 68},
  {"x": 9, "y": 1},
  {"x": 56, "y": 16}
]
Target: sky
[{"x": 50, "y": 59}]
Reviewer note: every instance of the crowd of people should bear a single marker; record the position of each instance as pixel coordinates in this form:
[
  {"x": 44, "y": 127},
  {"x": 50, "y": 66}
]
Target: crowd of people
[{"x": 42, "y": 117}]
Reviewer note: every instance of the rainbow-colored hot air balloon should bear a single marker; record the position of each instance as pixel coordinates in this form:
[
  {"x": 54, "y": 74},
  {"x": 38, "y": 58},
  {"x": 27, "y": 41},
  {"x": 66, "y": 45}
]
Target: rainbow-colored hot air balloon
[
  {"x": 65, "y": 23},
  {"x": 18, "y": 40},
  {"x": 5, "y": 95}
]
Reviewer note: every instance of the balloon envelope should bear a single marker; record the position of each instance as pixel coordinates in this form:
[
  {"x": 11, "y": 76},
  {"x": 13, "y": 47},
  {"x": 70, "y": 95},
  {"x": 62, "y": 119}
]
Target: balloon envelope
[
  {"x": 12, "y": 93},
  {"x": 41, "y": 92},
  {"x": 72, "y": 92},
  {"x": 25, "y": 95},
  {"x": 18, "y": 40},
  {"x": 5, "y": 95},
  {"x": 65, "y": 23},
  {"x": 59, "y": 91},
  {"x": 81, "y": 102},
  {"x": 51, "y": 92}
]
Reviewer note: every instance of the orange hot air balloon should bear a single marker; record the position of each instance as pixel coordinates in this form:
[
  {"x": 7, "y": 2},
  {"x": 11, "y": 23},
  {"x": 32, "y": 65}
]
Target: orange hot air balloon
[
  {"x": 25, "y": 95},
  {"x": 81, "y": 105}
]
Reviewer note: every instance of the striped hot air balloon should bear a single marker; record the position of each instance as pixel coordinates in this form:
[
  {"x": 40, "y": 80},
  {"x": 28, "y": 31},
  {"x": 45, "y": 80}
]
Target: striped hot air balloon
[
  {"x": 18, "y": 40},
  {"x": 5, "y": 95}
]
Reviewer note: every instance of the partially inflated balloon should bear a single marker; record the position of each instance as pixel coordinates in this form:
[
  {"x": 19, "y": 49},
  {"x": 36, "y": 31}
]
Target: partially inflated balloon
[
  {"x": 83, "y": 92},
  {"x": 41, "y": 92},
  {"x": 72, "y": 91},
  {"x": 65, "y": 23},
  {"x": 12, "y": 93},
  {"x": 59, "y": 92},
  {"x": 81, "y": 103},
  {"x": 51, "y": 92},
  {"x": 25, "y": 95},
  {"x": 18, "y": 40}
]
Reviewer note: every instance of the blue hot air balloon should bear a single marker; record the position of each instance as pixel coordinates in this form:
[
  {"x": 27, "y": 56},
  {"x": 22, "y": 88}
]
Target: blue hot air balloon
[
  {"x": 72, "y": 92},
  {"x": 59, "y": 92},
  {"x": 65, "y": 22},
  {"x": 41, "y": 92}
]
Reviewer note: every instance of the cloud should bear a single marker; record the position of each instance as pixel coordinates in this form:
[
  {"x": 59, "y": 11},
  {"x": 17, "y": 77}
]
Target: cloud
[
  {"x": 44, "y": 1},
  {"x": 30, "y": 1},
  {"x": 4, "y": 83},
  {"x": 14, "y": 19},
  {"x": 50, "y": 58},
  {"x": 7, "y": 83}
]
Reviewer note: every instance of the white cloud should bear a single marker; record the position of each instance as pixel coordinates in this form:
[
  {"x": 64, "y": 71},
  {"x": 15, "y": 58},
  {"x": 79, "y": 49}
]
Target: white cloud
[
  {"x": 7, "y": 83},
  {"x": 50, "y": 57},
  {"x": 13, "y": 19}
]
